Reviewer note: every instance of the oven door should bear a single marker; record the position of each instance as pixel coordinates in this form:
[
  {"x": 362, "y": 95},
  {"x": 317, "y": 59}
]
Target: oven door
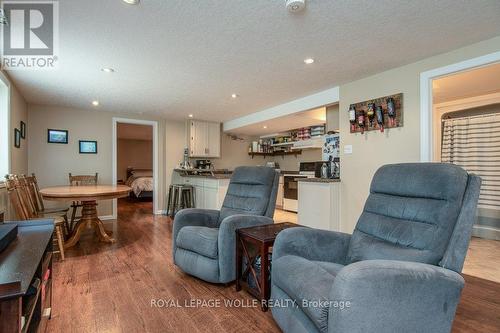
[{"x": 291, "y": 186}]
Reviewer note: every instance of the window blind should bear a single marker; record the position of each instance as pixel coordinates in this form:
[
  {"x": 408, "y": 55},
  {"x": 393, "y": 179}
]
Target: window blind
[{"x": 474, "y": 144}]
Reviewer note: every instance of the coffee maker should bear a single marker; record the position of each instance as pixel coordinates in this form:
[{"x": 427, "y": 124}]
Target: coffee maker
[{"x": 204, "y": 164}]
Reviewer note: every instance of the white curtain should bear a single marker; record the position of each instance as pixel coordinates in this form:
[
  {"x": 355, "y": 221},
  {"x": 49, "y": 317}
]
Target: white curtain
[{"x": 474, "y": 144}]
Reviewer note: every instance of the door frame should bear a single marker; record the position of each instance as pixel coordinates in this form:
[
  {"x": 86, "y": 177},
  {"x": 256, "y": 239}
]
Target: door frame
[
  {"x": 426, "y": 104},
  {"x": 154, "y": 124}
]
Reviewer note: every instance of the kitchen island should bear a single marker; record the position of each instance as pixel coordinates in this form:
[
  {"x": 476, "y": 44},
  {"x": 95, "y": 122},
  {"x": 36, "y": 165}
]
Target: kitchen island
[
  {"x": 319, "y": 203},
  {"x": 210, "y": 186}
]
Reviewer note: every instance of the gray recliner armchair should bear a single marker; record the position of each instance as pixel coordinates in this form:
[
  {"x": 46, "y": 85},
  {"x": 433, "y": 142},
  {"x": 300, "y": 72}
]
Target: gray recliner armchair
[
  {"x": 397, "y": 272},
  {"x": 204, "y": 240}
]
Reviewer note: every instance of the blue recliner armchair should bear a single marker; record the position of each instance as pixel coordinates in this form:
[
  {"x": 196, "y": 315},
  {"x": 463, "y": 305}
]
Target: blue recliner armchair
[
  {"x": 204, "y": 240},
  {"x": 397, "y": 272}
]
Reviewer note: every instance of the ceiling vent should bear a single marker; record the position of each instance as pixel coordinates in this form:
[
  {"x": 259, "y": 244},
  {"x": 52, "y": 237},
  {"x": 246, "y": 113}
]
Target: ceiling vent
[{"x": 295, "y": 6}]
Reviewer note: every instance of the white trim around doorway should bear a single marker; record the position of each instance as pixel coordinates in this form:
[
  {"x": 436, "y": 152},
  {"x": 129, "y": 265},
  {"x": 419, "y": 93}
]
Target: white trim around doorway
[
  {"x": 153, "y": 123},
  {"x": 426, "y": 105}
]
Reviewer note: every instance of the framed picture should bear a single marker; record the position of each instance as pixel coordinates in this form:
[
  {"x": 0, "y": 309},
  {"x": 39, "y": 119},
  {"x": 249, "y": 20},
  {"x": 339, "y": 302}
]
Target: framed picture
[
  {"x": 23, "y": 129},
  {"x": 57, "y": 136},
  {"x": 17, "y": 138},
  {"x": 88, "y": 147}
]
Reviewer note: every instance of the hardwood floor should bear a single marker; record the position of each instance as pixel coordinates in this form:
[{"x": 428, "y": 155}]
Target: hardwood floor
[{"x": 109, "y": 288}]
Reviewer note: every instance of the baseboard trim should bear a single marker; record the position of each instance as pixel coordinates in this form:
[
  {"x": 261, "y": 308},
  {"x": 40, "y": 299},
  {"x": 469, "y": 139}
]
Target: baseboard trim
[{"x": 486, "y": 232}]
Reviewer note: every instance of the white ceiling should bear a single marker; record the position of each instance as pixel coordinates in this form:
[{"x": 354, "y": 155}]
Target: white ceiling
[
  {"x": 134, "y": 132},
  {"x": 285, "y": 123},
  {"x": 471, "y": 83},
  {"x": 177, "y": 57}
]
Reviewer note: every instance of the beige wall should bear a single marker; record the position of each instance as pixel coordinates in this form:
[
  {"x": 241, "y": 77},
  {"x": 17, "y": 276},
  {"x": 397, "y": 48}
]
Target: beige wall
[
  {"x": 18, "y": 156},
  {"x": 373, "y": 149},
  {"x": 235, "y": 153},
  {"x": 332, "y": 118},
  {"x": 19, "y": 111},
  {"x": 53, "y": 162},
  {"x": 133, "y": 153}
]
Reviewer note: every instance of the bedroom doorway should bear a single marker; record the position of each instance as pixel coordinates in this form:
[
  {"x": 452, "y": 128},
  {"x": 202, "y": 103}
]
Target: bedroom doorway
[{"x": 135, "y": 159}]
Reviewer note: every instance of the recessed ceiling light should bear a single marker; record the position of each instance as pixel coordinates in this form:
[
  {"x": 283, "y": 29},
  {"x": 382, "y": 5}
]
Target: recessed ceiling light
[
  {"x": 190, "y": 115},
  {"x": 95, "y": 103},
  {"x": 234, "y": 95},
  {"x": 132, "y": 2},
  {"x": 108, "y": 70},
  {"x": 308, "y": 61},
  {"x": 264, "y": 126}
]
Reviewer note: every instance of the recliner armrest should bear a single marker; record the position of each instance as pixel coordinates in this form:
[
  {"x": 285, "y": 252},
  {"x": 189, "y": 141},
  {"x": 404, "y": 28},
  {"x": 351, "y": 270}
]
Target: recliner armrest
[
  {"x": 312, "y": 244},
  {"x": 394, "y": 296},
  {"x": 227, "y": 241},
  {"x": 193, "y": 217}
]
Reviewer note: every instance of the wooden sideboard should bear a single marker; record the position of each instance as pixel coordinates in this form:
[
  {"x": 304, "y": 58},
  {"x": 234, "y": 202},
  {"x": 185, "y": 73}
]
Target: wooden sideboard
[{"x": 26, "y": 278}]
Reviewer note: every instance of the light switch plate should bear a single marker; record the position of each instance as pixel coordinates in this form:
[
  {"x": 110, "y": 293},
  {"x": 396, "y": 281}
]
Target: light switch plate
[{"x": 348, "y": 149}]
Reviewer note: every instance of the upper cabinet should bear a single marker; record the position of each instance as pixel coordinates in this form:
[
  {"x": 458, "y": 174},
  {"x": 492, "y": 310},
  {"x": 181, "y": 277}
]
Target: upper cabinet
[{"x": 204, "y": 139}]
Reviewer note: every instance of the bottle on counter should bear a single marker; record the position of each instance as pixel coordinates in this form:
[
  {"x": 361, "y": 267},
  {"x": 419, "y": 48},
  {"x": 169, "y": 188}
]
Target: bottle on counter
[{"x": 324, "y": 171}]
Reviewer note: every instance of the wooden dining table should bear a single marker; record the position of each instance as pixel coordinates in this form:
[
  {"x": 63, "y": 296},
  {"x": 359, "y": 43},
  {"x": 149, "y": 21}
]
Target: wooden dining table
[{"x": 88, "y": 195}]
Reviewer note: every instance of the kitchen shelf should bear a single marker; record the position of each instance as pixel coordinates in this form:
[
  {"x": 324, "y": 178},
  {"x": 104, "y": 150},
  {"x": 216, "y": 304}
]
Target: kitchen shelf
[
  {"x": 283, "y": 144},
  {"x": 276, "y": 153}
]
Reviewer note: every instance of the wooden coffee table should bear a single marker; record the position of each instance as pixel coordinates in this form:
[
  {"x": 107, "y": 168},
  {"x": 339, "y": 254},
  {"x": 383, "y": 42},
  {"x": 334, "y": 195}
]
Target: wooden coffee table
[{"x": 259, "y": 239}]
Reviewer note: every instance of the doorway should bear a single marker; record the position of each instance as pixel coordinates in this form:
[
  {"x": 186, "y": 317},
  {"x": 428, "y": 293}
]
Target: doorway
[
  {"x": 135, "y": 162},
  {"x": 466, "y": 132},
  {"x": 483, "y": 255}
]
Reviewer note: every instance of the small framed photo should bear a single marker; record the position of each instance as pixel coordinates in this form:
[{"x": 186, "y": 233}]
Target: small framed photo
[
  {"x": 23, "y": 129},
  {"x": 57, "y": 136},
  {"x": 17, "y": 138},
  {"x": 88, "y": 147}
]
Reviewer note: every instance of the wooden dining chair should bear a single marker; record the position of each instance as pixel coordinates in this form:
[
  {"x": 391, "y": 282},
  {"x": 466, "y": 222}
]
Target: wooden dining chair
[
  {"x": 20, "y": 199},
  {"x": 80, "y": 180},
  {"x": 36, "y": 198}
]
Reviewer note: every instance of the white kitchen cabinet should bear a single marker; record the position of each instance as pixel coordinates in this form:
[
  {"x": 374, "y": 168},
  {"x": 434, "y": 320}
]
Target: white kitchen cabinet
[
  {"x": 214, "y": 140},
  {"x": 204, "y": 139},
  {"x": 209, "y": 193},
  {"x": 319, "y": 205}
]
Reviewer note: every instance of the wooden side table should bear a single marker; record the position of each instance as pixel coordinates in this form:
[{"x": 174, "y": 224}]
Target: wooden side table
[{"x": 260, "y": 239}]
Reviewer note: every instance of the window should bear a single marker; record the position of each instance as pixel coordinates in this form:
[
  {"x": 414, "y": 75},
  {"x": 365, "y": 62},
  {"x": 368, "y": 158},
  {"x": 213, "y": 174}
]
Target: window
[
  {"x": 4, "y": 129},
  {"x": 473, "y": 142}
]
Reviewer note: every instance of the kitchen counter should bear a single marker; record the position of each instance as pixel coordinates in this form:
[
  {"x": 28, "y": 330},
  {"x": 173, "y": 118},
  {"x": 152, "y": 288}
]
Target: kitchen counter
[
  {"x": 210, "y": 174},
  {"x": 319, "y": 203},
  {"x": 318, "y": 180}
]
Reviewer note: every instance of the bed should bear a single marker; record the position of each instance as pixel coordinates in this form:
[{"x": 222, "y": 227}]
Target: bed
[{"x": 141, "y": 182}]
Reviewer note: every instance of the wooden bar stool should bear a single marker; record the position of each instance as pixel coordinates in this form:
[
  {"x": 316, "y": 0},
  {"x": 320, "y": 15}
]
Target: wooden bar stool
[{"x": 179, "y": 197}]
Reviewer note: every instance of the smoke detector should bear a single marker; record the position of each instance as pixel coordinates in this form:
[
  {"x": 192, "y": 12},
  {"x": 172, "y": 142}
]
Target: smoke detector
[{"x": 295, "y": 6}]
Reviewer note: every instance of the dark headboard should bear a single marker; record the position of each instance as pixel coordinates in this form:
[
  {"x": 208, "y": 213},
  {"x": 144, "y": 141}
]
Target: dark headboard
[{"x": 130, "y": 170}]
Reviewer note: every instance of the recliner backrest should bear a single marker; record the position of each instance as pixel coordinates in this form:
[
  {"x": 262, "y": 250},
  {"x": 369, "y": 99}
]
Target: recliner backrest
[
  {"x": 252, "y": 190},
  {"x": 412, "y": 211}
]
